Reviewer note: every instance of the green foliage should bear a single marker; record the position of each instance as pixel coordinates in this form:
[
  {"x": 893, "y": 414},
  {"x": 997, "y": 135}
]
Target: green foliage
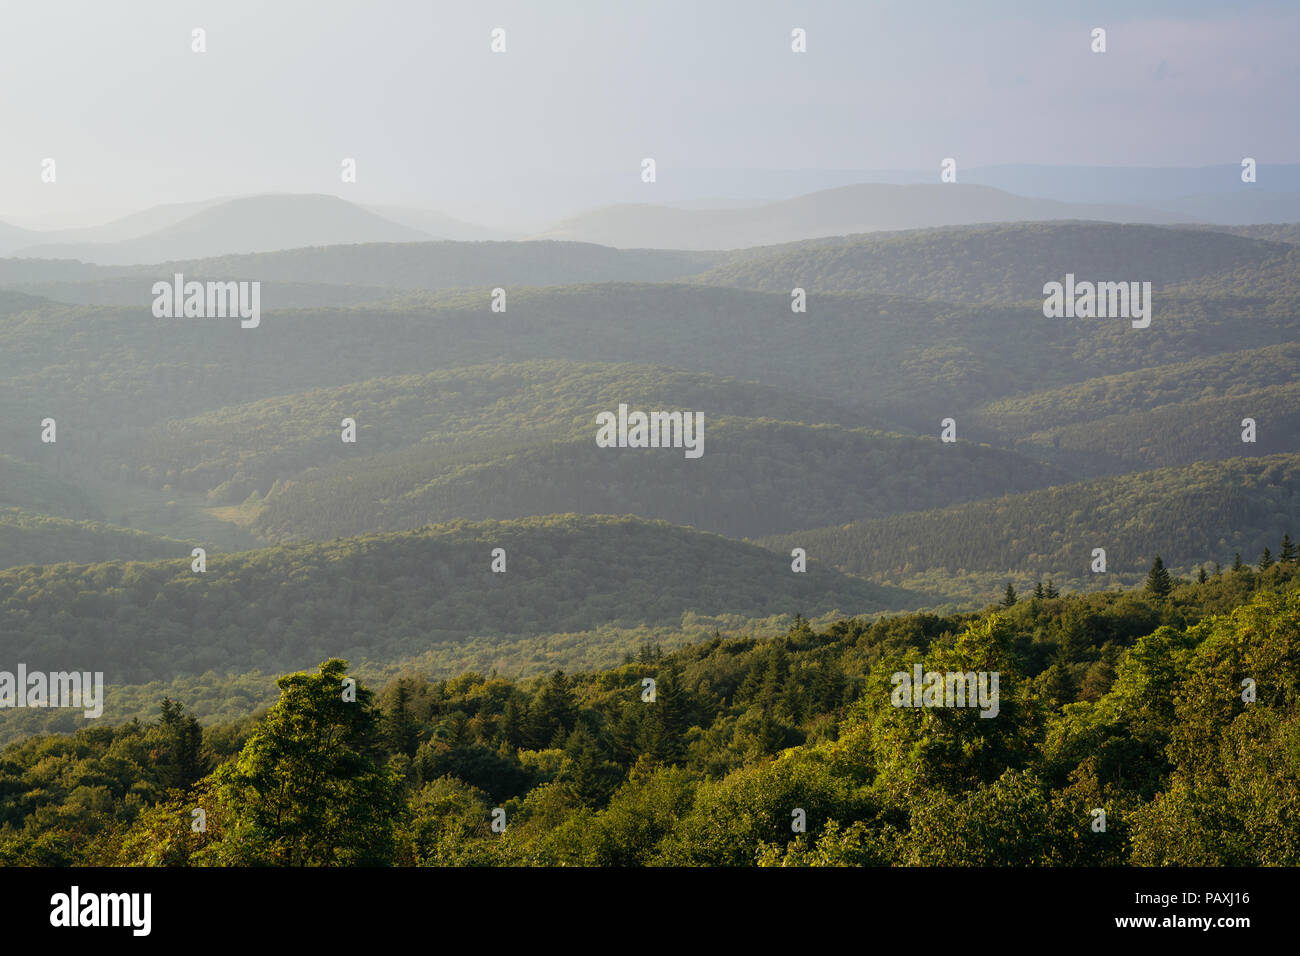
[
  {"x": 1186, "y": 765},
  {"x": 998, "y": 263},
  {"x": 1159, "y": 581},
  {"x": 33, "y": 488},
  {"x": 1187, "y": 513},
  {"x": 307, "y": 788},
  {"x": 388, "y": 596},
  {"x": 40, "y": 539}
]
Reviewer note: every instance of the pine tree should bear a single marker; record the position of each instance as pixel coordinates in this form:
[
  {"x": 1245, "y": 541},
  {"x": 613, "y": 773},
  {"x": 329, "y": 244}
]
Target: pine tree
[
  {"x": 1039, "y": 593},
  {"x": 666, "y": 724},
  {"x": 1159, "y": 583},
  {"x": 1266, "y": 560},
  {"x": 1009, "y": 599},
  {"x": 512, "y": 721},
  {"x": 1236, "y": 562},
  {"x": 626, "y": 733},
  {"x": 1201, "y": 576},
  {"x": 184, "y": 763},
  {"x": 1052, "y": 592},
  {"x": 551, "y": 715},
  {"x": 1289, "y": 553},
  {"x": 399, "y": 730},
  {"x": 1218, "y": 569}
]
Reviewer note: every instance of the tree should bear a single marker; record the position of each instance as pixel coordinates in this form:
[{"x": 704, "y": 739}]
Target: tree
[
  {"x": 1266, "y": 560},
  {"x": 1039, "y": 593},
  {"x": 1052, "y": 592},
  {"x": 1236, "y": 562},
  {"x": 307, "y": 788},
  {"x": 666, "y": 722},
  {"x": 182, "y": 763},
  {"x": 1159, "y": 583},
  {"x": 551, "y": 715},
  {"x": 1009, "y": 599},
  {"x": 1201, "y": 576},
  {"x": 512, "y": 721},
  {"x": 1289, "y": 553},
  {"x": 401, "y": 733}
]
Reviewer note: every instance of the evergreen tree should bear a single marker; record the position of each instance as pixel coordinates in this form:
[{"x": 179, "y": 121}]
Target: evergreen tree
[
  {"x": 401, "y": 734},
  {"x": 551, "y": 715},
  {"x": 1266, "y": 560},
  {"x": 1201, "y": 576},
  {"x": 512, "y": 721},
  {"x": 1052, "y": 592},
  {"x": 666, "y": 721},
  {"x": 1289, "y": 552},
  {"x": 1039, "y": 593},
  {"x": 587, "y": 769},
  {"x": 1159, "y": 582},
  {"x": 1237, "y": 564},
  {"x": 183, "y": 763},
  {"x": 1009, "y": 598},
  {"x": 626, "y": 732},
  {"x": 828, "y": 685}
]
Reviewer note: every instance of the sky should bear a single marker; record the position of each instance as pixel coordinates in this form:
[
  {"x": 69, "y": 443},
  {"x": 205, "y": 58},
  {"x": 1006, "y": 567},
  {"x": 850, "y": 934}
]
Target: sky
[{"x": 587, "y": 88}]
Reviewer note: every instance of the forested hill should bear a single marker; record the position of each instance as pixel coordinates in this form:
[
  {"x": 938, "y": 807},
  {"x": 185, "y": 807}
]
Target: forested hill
[
  {"x": 1128, "y": 702},
  {"x": 104, "y": 369},
  {"x": 756, "y": 477},
  {"x": 391, "y": 265},
  {"x": 998, "y": 263},
  {"x": 1204, "y": 512},
  {"x": 27, "y": 538},
  {"x": 392, "y": 596}
]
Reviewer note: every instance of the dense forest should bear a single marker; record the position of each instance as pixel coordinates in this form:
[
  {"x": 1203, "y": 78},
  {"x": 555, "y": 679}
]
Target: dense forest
[
  {"x": 1222, "y": 375},
  {"x": 756, "y": 477},
  {"x": 1127, "y": 708},
  {"x": 1203, "y": 512},
  {"x": 390, "y": 596},
  {"x": 520, "y": 691},
  {"x": 397, "y": 265},
  {"x": 27, "y": 539},
  {"x": 1011, "y": 265}
]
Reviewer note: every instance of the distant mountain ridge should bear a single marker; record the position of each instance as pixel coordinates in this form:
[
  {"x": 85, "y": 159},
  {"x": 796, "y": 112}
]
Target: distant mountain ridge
[
  {"x": 245, "y": 225},
  {"x": 832, "y": 212}
]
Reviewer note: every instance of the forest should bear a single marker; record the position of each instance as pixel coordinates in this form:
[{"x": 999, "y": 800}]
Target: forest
[
  {"x": 1126, "y": 707},
  {"x": 500, "y": 588}
]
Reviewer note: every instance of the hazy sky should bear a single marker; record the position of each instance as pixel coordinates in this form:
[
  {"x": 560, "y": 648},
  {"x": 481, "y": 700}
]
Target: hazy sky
[{"x": 587, "y": 88}]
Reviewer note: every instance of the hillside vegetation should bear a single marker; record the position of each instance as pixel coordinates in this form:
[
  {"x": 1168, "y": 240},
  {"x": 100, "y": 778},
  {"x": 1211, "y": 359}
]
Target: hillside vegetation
[
  {"x": 1208, "y": 511},
  {"x": 389, "y": 597},
  {"x": 997, "y": 263},
  {"x": 1131, "y": 703}
]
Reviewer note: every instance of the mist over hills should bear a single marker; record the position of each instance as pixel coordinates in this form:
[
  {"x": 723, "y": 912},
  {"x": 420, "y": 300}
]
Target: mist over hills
[
  {"x": 546, "y": 434},
  {"x": 264, "y": 223},
  {"x": 821, "y": 431},
  {"x": 295, "y": 278},
  {"x": 832, "y": 212},
  {"x": 1012, "y": 263},
  {"x": 251, "y": 224}
]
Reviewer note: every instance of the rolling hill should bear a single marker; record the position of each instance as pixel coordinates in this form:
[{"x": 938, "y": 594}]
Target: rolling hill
[
  {"x": 392, "y": 596},
  {"x": 831, "y": 212},
  {"x": 1207, "y": 511},
  {"x": 244, "y": 225},
  {"x": 755, "y": 477},
  {"x": 27, "y": 538},
  {"x": 1005, "y": 263}
]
